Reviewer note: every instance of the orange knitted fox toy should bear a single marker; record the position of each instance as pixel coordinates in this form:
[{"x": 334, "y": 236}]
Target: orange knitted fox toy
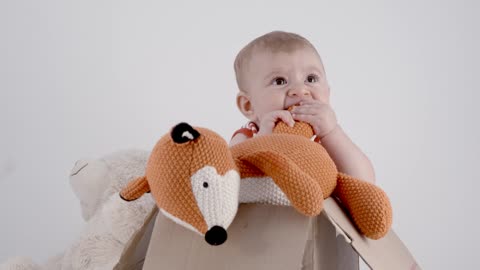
[{"x": 198, "y": 182}]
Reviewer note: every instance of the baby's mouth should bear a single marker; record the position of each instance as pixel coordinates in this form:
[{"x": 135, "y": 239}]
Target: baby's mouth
[
  {"x": 293, "y": 103},
  {"x": 290, "y": 108},
  {"x": 290, "y": 105}
]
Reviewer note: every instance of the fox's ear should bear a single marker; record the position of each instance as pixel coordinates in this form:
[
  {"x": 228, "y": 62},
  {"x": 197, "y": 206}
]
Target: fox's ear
[
  {"x": 183, "y": 133},
  {"x": 135, "y": 189}
]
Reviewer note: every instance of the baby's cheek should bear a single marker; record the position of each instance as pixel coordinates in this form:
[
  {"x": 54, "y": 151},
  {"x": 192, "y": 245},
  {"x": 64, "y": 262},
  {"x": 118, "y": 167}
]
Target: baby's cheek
[{"x": 322, "y": 96}]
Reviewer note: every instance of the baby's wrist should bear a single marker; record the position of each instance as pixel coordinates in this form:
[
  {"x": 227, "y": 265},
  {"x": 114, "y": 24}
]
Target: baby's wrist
[{"x": 328, "y": 133}]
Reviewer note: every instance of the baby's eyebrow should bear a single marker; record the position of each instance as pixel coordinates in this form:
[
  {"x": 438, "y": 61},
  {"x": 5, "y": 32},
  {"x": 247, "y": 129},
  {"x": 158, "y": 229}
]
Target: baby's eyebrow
[{"x": 315, "y": 69}]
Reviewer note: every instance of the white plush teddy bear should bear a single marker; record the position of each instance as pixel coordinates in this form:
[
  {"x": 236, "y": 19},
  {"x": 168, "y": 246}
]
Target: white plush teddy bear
[{"x": 111, "y": 222}]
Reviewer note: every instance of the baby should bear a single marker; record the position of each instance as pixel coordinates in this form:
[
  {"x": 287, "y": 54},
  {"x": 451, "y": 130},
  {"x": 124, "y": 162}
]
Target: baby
[{"x": 278, "y": 70}]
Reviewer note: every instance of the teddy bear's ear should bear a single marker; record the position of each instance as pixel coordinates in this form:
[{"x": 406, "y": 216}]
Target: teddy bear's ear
[{"x": 183, "y": 133}]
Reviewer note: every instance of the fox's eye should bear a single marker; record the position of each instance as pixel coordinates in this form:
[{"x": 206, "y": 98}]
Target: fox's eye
[
  {"x": 279, "y": 81},
  {"x": 312, "y": 78},
  {"x": 205, "y": 184}
]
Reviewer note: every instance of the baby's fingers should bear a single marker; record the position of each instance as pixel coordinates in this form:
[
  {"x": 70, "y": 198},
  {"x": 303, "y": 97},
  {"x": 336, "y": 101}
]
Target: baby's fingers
[
  {"x": 286, "y": 117},
  {"x": 304, "y": 117}
]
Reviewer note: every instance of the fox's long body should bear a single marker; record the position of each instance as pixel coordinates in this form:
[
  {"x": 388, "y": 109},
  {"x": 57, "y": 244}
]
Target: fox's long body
[
  {"x": 198, "y": 181},
  {"x": 284, "y": 160}
]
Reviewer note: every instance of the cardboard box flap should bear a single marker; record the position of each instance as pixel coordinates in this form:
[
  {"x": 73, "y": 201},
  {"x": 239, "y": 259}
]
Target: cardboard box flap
[
  {"x": 330, "y": 250},
  {"x": 256, "y": 238},
  {"x": 386, "y": 253}
]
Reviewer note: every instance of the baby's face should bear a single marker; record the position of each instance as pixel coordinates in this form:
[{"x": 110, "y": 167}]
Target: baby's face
[{"x": 276, "y": 81}]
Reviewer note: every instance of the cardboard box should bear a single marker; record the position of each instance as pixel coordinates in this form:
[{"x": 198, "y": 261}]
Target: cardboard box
[{"x": 272, "y": 237}]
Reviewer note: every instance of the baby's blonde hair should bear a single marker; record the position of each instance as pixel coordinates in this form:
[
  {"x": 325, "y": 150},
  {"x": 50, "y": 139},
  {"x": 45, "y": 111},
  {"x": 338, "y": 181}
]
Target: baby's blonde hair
[{"x": 276, "y": 41}]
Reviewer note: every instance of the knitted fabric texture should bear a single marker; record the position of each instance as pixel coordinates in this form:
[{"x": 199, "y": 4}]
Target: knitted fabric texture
[
  {"x": 261, "y": 190},
  {"x": 368, "y": 205},
  {"x": 302, "y": 169},
  {"x": 169, "y": 172},
  {"x": 209, "y": 189},
  {"x": 286, "y": 158},
  {"x": 135, "y": 189},
  {"x": 300, "y": 128},
  {"x": 302, "y": 172},
  {"x": 169, "y": 178}
]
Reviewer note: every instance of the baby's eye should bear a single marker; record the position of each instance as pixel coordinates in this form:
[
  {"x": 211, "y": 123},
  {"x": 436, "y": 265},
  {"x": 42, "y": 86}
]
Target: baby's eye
[
  {"x": 312, "y": 78},
  {"x": 279, "y": 81}
]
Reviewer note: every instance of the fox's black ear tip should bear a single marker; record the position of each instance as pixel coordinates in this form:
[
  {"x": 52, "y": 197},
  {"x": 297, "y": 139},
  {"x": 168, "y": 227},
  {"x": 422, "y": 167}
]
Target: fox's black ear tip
[{"x": 183, "y": 133}]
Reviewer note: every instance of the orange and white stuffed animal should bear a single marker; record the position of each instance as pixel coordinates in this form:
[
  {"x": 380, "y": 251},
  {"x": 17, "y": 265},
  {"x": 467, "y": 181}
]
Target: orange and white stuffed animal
[{"x": 198, "y": 181}]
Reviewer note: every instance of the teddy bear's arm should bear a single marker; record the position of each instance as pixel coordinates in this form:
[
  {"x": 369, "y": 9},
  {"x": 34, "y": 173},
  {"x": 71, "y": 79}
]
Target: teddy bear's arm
[
  {"x": 135, "y": 189},
  {"x": 368, "y": 205},
  {"x": 303, "y": 192}
]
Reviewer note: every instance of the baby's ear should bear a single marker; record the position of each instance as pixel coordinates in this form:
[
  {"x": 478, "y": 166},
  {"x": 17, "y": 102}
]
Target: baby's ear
[{"x": 245, "y": 106}]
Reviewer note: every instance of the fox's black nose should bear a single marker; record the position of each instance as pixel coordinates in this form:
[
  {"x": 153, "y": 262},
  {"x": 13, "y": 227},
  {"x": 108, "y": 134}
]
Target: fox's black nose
[{"x": 216, "y": 236}]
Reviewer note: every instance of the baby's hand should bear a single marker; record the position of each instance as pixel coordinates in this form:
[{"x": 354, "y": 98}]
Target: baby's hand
[
  {"x": 318, "y": 114},
  {"x": 267, "y": 122}
]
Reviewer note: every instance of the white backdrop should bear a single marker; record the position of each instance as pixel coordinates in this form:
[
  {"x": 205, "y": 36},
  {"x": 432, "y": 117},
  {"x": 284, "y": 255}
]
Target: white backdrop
[{"x": 85, "y": 78}]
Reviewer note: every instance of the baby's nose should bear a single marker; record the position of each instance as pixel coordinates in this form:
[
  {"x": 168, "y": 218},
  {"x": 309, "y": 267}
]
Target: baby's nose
[{"x": 299, "y": 91}]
